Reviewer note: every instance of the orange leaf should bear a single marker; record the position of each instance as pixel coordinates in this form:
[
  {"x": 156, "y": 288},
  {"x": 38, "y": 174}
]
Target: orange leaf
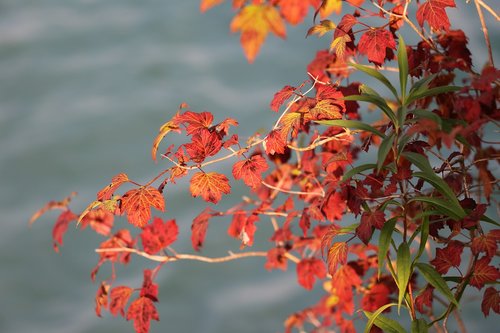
[
  {"x": 119, "y": 299},
  {"x": 199, "y": 228},
  {"x": 484, "y": 273},
  {"x": 136, "y": 203},
  {"x": 330, "y": 6},
  {"x": 294, "y": 11},
  {"x": 337, "y": 255},
  {"x": 101, "y": 298},
  {"x": 250, "y": 170},
  {"x": 63, "y": 204},
  {"x": 207, "y": 4},
  {"x": 374, "y": 43},
  {"x": 142, "y": 311},
  {"x": 308, "y": 269},
  {"x": 281, "y": 96},
  {"x": 322, "y": 28},
  {"x": 210, "y": 186},
  {"x": 255, "y": 21},
  {"x": 164, "y": 130},
  {"x": 116, "y": 181}
]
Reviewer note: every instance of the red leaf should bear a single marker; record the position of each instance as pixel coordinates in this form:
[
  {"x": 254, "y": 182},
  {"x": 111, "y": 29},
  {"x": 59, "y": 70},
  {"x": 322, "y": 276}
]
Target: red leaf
[
  {"x": 433, "y": 11},
  {"x": 61, "y": 226},
  {"x": 209, "y": 185},
  {"x": 294, "y": 11},
  {"x": 333, "y": 206},
  {"x": 308, "y": 269},
  {"x": 250, "y": 170},
  {"x": 100, "y": 220},
  {"x": 199, "y": 228},
  {"x": 137, "y": 204},
  {"x": 117, "y": 181},
  {"x": 485, "y": 243},
  {"x": 305, "y": 221},
  {"x": 374, "y": 218},
  {"x": 203, "y": 145},
  {"x": 281, "y": 96},
  {"x": 274, "y": 143},
  {"x": 491, "y": 301},
  {"x": 337, "y": 254},
  {"x": 63, "y": 205},
  {"x": 484, "y": 273},
  {"x": 195, "y": 121},
  {"x": 276, "y": 259},
  {"x": 207, "y": 4},
  {"x": 101, "y": 298},
  {"x": 142, "y": 311},
  {"x": 448, "y": 257},
  {"x": 158, "y": 235},
  {"x": 377, "y": 296},
  {"x": 149, "y": 289},
  {"x": 119, "y": 299},
  {"x": 424, "y": 298},
  {"x": 374, "y": 43}
]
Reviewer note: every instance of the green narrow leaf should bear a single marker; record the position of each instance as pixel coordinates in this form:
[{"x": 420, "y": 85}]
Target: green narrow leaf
[
  {"x": 443, "y": 207},
  {"x": 419, "y": 326},
  {"x": 403, "y": 264},
  {"x": 436, "y": 280},
  {"x": 385, "y": 241},
  {"x": 403, "y": 140},
  {"x": 419, "y": 160},
  {"x": 376, "y": 100},
  {"x": 373, "y": 316},
  {"x": 422, "y": 84},
  {"x": 377, "y": 75},
  {"x": 403, "y": 68},
  {"x": 383, "y": 150},
  {"x": 489, "y": 220},
  {"x": 356, "y": 170},
  {"x": 424, "y": 235},
  {"x": 384, "y": 323},
  {"x": 431, "y": 92},
  {"x": 351, "y": 124},
  {"x": 364, "y": 89},
  {"x": 419, "y": 114}
]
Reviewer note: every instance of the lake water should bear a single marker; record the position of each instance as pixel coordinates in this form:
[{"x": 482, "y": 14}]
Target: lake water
[{"x": 84, "y": 86}]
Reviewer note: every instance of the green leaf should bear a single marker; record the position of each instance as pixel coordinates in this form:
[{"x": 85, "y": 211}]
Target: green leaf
[
  {"x": 364, "y": 89},
  {"x": 489, "y": 220},
  {"x": 419, "y": 326},
  {"x": 384, "y": 149},
  {"x": 420, "y": 113},
  {"x": 386, "y": 324},
  {"x": 351, "y": 124},
  {"x": 356, "y": 170},
  {"x": 377, "y": 75},
  {"x": 422, "y": 84},
  {"x": 403, "y": 67},
  {"x": 403, "y": 140},
  {"x": 443, "y": 207},
  {"x": 376, "y": 100},
  {"x": 403, "y": 264},
  {"x": 419, "y": 160},
  {"x": 385, "y": 241},
  {"x": 424, "y": 235},
  {"x": 436, "y": 280},
  {"x": 431, "y": 92}
]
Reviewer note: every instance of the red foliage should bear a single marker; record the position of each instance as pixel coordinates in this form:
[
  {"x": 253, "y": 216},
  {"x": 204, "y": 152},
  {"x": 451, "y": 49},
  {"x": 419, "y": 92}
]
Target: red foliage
[
  {"x": 137, "y": 204},
  {"x": 308, "y": 270},
  {"x": 158, "y": 235}
]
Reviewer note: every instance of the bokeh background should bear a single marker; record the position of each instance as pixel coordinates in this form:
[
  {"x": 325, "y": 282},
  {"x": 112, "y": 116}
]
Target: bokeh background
[{"x": 84, "y": 87}]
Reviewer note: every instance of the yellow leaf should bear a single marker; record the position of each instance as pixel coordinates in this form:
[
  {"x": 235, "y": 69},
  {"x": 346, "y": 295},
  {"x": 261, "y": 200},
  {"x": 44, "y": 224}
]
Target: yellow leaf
[
  {"x": 330, "y": 6},
  {"x": 165, "y": 128},
  {"x": 322, "y": 28},
  {"x": 339, "y": 45},
  {"x": 254, "y": 22}
]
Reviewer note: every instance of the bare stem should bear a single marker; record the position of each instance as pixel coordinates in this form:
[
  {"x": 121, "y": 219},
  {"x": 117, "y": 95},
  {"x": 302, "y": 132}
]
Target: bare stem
[{"x": 485, "y": 32}]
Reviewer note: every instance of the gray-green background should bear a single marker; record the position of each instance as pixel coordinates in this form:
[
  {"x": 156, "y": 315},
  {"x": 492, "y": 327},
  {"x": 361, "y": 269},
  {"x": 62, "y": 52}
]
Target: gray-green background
[{"x": 84, "y": 87}]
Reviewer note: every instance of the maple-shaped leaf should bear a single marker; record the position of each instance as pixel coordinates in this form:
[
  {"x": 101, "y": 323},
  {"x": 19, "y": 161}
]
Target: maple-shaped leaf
[
  {"x": 484, "y": 273},
  {"x": 137, "y": 204},
  {"x": 308, "y": 270},
  {"x": 281, "y": 96},
  {"x": 322, "y": 28},
  {"x": 330, "y": 6},
  {"x": 374, "y": 43},
  {"x": 491, "y": 301},
  {"x": 100, "y": 220},
  {"x": 209, "y": 185},
  {"x": 425, "y": 297},
  {"x": 294, "y": 11},
  {"x": 448, "y": 257},
  {"x": 292, "y": 122},
  {"x": 326, "y": 109},
  {"x": 333, "y": 206},
  {"x": 243, "y": 228},
  {"x": 119, "y": 298},
  {"x": 250, "y": 170},
  {"x": 61, "y": 226},
  {"x": 101, "y": 298},
  {"x": 255, "y": 21},
  {"x": 149, "y": 288},
  {"x": 274, "y": 143},
  {"x": 433, "y": 11},
  {"x": 199, "y": 228},
  {"x": 223, "y": 127},
  {"x": 158, "y": 235},
  {"x": 276, "y": 259},
  {"x": 195, "y": 121},
  {"x": 337, "y": 254},
  {"x": 142, "y": 311},
  {"x": 107, "y": 192},
  {"x": 485, "y": 243},
  {"x": 207, "y": 4},
  {"x": 164, "y": 130},
  {"x": 204, "y": 144},
  {"x": 377, "y": 296},
  {"x": 339, "y": 45}
]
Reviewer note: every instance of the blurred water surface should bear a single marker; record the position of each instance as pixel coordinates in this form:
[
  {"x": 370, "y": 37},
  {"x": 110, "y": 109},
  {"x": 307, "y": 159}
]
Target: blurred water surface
[{"x": 84, "y": 86}]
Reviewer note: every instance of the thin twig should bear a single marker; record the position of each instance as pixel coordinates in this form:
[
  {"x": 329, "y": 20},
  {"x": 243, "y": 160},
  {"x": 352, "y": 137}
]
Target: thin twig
[
  {"x": 485, "y": 32},
  {"x": 291, "y": 192},
  {"x": 489, "y": 9}
]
